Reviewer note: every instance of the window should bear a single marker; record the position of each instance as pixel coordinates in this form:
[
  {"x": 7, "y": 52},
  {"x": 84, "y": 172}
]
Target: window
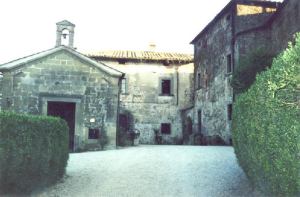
[
  {"x": 124, "y": 86},
  {"x": 229, "y": 112},
  {"x": 165, "y": 128},
  {"x": 228, "y": 17},
  {"x": 229, "y": 64},
  {"x": 199, "y": 80},
  {"x": 166, "y": 87},
  {"x": 199, "y": 121},
  {"x": 94, "y": 133}
]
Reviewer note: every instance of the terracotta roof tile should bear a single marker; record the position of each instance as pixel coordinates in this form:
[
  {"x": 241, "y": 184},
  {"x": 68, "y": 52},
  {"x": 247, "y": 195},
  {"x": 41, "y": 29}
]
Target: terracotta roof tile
[{"x": 141, "y": 55}]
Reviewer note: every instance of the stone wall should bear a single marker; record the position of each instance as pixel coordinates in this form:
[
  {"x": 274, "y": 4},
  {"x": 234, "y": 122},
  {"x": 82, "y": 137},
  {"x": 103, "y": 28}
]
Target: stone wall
[
  {"x": 284, "y": 25},
  {"x": 1, "y": 76},
  {"x": 144, "y": 101},
  {"x": 217, "y": 51},
  {"x": 273, "y": 35},
  {"x": 62, "y": 77},
  {"x": 213, "y": 92}
]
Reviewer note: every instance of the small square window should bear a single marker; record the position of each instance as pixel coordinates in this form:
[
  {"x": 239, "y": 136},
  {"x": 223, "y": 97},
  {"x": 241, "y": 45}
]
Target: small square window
[
  {"x": 228, "y": 17},
  {"x": 166, "y": 87},
  {"x": 94, "y": 133},
  {"x": 165, "y": 128}
]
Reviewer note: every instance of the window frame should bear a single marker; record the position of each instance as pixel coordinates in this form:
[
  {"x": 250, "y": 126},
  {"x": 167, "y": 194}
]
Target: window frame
[
  {"x": 125, "y": 90},
  {"x": 161, "y": 79}
]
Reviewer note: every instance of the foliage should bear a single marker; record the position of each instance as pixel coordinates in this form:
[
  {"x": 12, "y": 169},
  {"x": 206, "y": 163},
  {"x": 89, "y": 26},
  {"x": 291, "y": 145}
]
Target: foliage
[
  {"x": 34, "y": 151},
  {"x": 266, "y": 125},
  {"x": 244, "y": 75}
]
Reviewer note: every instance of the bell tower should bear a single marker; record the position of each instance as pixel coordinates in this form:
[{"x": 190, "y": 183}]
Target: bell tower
[{"x": 65, "y": 34}]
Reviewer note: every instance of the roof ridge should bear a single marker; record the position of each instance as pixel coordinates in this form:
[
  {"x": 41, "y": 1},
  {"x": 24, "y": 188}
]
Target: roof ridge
[
  {"x": 22, "y": 61},
  {"x": 27, "y": 56}
]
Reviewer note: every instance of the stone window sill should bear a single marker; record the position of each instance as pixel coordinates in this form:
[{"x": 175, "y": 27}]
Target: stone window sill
[{"x": 166, "y": 95}]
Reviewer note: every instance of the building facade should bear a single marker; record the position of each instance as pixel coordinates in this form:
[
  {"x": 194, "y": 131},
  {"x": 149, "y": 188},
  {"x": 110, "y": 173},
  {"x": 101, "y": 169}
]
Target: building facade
[
  {"x": 62, "y": 82},
  {"x": 242, "y": 27},
  {"x": 155, "y": 87}
]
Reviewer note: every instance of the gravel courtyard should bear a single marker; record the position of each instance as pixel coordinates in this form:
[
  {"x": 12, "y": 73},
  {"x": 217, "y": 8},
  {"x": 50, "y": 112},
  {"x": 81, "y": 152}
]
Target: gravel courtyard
[{"x": 154, "y": 171}]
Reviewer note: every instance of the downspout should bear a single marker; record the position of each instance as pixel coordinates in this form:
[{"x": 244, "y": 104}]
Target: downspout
[
  {"x": 177, "y": 84},
  {"x": 118, "y": 108},
  {"x": 233, "y": 13}
]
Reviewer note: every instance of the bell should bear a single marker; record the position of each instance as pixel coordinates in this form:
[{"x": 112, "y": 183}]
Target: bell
[{"x": 64, "y": 36}]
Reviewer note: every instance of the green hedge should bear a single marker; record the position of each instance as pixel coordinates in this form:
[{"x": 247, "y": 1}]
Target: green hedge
[
  {"x": 266, "y": 126},
  {"x": 33, "y": 151}
]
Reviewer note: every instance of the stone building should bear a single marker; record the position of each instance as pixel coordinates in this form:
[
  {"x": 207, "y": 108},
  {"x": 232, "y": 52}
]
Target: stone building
[
  {"x": 241, "y": 27},
  {"x": 63, "y": 82},
  {"x": 157, "y": 85}
]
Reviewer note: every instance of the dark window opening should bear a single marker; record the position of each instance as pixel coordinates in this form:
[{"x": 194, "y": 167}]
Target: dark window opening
[
  {"x": 229, "y": 64},
  {"x": 199, "y": 80},
  {"x": 165, "y": 128},
  {"x": 166, "y": 87},
  {"x": 228, "y": 17},
  {"x": 199, "y": 121},
  {"x": 229, "y": 111},
  {"x": 94, "y": 133}
]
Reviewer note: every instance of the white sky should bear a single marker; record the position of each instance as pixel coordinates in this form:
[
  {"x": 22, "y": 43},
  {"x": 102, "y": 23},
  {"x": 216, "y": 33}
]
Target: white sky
[{"x": 28, "y": 26}]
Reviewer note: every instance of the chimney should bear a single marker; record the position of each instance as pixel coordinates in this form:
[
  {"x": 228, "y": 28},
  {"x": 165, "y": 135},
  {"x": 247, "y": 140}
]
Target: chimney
[{"x": 152, "y": 46}]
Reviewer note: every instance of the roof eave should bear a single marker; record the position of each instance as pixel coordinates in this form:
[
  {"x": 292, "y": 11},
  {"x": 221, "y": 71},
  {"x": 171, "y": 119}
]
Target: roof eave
[{"x": 111, "y": 71}]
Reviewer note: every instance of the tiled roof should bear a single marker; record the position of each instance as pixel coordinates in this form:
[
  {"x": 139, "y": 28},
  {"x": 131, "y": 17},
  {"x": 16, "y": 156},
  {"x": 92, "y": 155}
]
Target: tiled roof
[{"x": 141, "y": 56}]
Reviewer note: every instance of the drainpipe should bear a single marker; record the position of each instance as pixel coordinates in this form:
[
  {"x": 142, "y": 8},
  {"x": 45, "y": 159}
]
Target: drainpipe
[
  {"x": 118, "y": 107},
  {"x": 177, "y": 84}
]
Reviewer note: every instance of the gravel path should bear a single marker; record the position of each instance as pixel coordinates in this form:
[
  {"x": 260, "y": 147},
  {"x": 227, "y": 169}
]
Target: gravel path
[{"x": 154, "y": 171}]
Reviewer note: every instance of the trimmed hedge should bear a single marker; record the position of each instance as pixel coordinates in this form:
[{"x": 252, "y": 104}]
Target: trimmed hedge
[
  {"x": 266, "y": 126},
  {"x": 33, "y": 151}
]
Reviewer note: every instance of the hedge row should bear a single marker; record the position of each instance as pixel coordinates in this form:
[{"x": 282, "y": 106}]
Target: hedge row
[
  {"x": 266, "y": 126},
  {"x": 33, "y": 151}
]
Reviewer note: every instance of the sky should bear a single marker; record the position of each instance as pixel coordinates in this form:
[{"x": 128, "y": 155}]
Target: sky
[{"x": 29, "y": 26}]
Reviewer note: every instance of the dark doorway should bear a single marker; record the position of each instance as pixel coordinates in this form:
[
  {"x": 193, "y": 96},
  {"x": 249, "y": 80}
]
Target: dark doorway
[
  {"x": 199, "y": 121},
  {"x": 66, "y": 111}
]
